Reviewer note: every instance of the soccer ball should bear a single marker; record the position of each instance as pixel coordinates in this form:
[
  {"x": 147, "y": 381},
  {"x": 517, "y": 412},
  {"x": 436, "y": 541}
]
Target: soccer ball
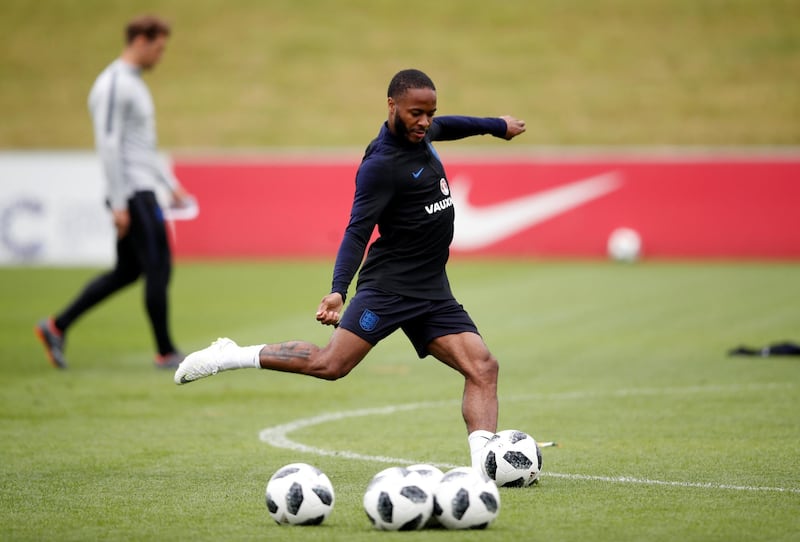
[
  {"x": 511, "y": 458},
  {"x": 299, "y": 494},
  {"x": 398, "y": 499},
  {"x": 431, "y": 476},
  {"x": 466, "y": 499},
  {"x": 624, "y": 245}
]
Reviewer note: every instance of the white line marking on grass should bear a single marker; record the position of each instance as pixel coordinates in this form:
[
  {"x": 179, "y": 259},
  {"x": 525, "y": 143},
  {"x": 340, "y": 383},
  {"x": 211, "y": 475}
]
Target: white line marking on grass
[
  {"x": 648, "y": 482},
  {"x": 688, "y": 390},
  {"x": 277, "y": 436}
]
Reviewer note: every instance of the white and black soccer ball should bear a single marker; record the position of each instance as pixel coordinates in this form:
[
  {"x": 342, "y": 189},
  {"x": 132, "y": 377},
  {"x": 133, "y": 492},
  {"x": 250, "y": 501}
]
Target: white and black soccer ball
[
  {"x": 466, "y": 499},
  {"x": 511, "y": 458},
  {"x": 398, "y": 499},
  {"x": 299, "y": 494},
  {"x": 431, "y": 476}
]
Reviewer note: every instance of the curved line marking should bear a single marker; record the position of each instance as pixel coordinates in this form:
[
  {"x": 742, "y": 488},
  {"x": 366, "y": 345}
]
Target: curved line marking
[{"x": 277, "y": 436}]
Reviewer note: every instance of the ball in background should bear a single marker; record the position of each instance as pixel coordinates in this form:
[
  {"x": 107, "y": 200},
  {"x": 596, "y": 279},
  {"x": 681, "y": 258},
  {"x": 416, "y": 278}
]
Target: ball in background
[
  {"x": 624, "y": 245},
  {"x": 511, "y": 458},
  {"x": 466, "y": 499},
  {"x": 299, "y": 494},
  {"x": 398, "y": 499}
]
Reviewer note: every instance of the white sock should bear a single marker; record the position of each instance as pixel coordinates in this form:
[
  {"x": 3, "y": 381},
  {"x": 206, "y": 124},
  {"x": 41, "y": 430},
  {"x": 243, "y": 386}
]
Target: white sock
[
  {"x": 241, "y": 357},
  {"x": 477, "y": 440}
]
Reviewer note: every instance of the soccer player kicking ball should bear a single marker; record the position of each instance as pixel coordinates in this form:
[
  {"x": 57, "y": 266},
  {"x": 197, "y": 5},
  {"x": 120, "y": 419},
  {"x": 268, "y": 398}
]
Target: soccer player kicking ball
[{"x": 402, "y": 187}]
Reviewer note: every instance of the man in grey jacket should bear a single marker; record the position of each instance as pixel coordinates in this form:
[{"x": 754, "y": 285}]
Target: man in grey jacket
[{"x": 123, "y": 117}]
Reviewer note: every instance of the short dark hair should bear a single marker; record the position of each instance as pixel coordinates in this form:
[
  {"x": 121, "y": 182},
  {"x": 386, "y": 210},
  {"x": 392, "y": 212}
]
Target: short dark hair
[
  {"x": 149, "y": 26},
  {"x": 407, "y": 79}
]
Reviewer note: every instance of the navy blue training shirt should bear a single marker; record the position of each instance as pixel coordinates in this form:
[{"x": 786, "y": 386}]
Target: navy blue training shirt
[{"x": 402, "y": 187}]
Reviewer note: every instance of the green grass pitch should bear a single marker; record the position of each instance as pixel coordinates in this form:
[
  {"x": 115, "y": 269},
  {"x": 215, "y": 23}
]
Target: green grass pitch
[{"x": 663, "y": 436}]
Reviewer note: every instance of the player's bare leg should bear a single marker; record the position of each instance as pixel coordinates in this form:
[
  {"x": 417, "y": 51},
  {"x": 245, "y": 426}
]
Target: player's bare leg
[
  {"x": 468, "y": 354},
  {"x": 335, "y": 360},
  {"x": 343, "y": 352}
]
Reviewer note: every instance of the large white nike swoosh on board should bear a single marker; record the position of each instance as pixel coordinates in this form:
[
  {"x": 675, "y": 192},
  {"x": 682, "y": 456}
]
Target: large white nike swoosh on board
[{"x": 479, "y": 227}]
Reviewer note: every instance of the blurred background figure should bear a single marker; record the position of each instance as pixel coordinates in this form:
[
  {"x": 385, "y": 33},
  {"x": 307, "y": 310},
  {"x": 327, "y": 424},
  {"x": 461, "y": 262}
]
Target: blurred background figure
[{"x": 123, "y": 117}]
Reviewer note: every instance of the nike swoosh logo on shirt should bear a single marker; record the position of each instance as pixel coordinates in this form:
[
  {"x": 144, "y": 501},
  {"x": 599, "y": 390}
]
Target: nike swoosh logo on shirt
[
  {"x": 416, "y": 174},
  {"x": 479, "y": 227}
]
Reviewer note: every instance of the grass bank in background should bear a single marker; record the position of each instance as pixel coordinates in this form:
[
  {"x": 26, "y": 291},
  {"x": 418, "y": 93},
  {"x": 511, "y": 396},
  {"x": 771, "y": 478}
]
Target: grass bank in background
[{"x": 248, "y": 73}]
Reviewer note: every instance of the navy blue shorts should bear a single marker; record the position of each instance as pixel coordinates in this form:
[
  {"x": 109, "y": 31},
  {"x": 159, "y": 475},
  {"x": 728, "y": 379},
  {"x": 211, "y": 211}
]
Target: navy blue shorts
[{"x": 374, "y": 315}]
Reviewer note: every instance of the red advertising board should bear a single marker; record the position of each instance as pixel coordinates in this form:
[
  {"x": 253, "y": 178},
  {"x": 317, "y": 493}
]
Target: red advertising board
[{"x": 693, "y": 207}]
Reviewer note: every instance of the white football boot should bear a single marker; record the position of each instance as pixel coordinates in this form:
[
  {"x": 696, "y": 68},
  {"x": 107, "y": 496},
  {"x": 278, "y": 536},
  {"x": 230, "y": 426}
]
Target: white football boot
[{"x": 203, "y": 363}]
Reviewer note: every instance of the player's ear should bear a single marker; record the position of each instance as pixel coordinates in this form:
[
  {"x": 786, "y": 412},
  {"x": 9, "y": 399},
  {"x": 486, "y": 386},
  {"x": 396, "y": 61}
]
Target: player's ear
[{"x": 392, "y": 105}]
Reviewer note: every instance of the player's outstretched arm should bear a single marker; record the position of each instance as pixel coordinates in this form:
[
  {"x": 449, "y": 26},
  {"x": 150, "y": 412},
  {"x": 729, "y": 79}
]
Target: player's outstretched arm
[{"x": 514, "y": 126}]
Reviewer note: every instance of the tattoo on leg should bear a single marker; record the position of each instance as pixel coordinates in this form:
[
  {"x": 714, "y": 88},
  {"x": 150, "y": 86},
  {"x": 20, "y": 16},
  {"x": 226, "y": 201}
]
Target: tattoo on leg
[{"x": 288, "y": 351}]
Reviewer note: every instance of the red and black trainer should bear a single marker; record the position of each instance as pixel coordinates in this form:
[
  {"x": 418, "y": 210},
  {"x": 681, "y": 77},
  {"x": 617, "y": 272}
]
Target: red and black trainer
[{"x": 53, "y": 340}]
